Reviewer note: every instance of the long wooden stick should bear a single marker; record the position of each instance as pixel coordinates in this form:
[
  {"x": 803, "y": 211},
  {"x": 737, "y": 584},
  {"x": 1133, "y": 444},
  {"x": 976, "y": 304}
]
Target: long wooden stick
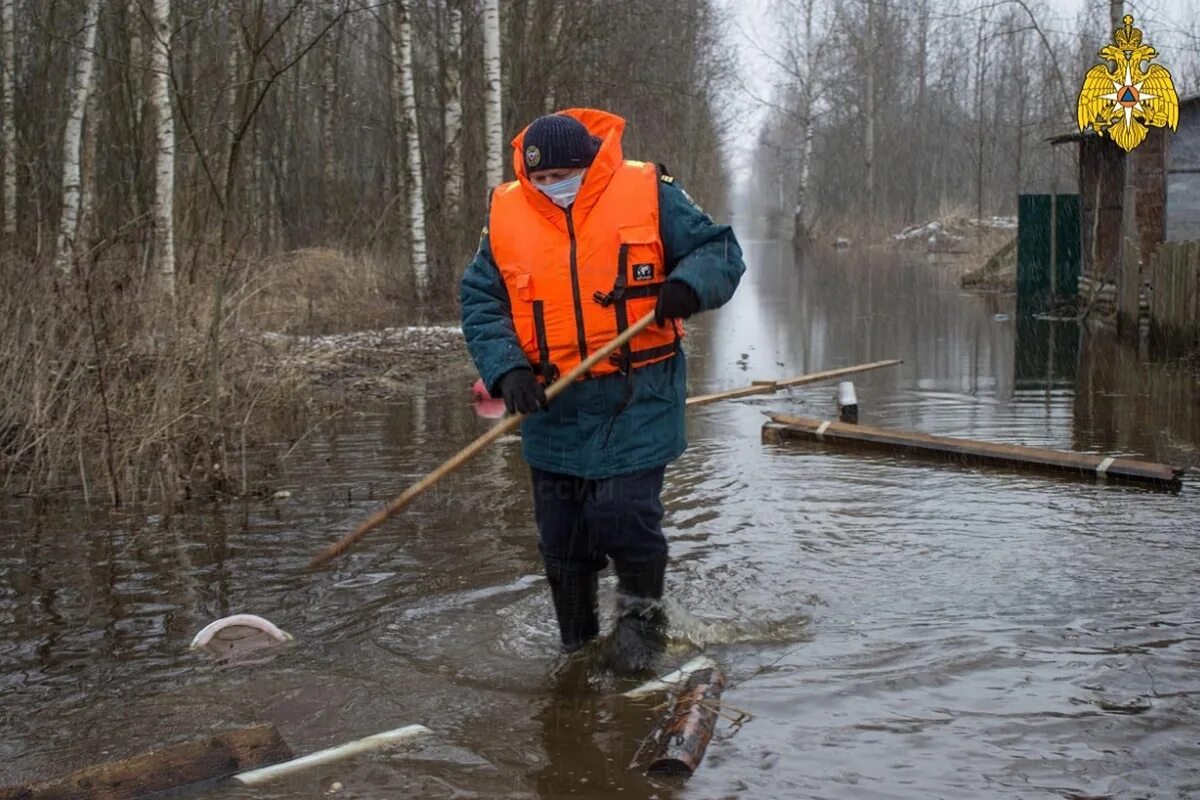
[
  {"x": 505, "y": 425},
  {"x": 767, "y": 387}
]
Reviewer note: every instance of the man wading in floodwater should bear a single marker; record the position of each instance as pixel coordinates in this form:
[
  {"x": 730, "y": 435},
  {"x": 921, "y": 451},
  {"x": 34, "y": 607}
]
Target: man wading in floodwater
[{"x": 581, "y": 245}]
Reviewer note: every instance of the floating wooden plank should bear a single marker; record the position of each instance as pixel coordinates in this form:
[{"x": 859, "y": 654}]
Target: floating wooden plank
[
  {"x": 784, "y": 427},
  {"x": 682, "y": 737},
  {"x": 171, "y": 767},
  {"x": 769, "y": 387},
  {"x": 330, "y": 755}
]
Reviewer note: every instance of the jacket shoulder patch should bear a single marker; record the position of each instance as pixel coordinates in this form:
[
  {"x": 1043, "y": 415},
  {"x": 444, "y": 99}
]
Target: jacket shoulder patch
[{"x": 667, "y": 178}]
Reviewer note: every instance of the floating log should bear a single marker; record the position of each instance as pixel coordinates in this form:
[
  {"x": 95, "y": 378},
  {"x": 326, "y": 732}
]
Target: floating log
[
  {"x": 683, "y": 736},
  {"x": 769, "y": 387},
  {"x": 785, "y": 427},
  {"x": 172, "y": 767},
  {"x": 330, "y": 755}
]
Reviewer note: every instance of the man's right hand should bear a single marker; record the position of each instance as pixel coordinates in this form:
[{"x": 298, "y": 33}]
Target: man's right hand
[{"x": 521, "y": 391}]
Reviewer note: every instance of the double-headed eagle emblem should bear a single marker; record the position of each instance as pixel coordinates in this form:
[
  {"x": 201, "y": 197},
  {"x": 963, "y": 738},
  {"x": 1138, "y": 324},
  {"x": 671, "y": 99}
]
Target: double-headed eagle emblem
[{"x": 1121, "y": 98}]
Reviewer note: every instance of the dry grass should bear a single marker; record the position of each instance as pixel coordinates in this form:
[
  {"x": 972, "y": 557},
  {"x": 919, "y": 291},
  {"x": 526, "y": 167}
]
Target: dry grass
[
  {"x": 319, "y": 291},
  {"x": 109, "y": 389}
]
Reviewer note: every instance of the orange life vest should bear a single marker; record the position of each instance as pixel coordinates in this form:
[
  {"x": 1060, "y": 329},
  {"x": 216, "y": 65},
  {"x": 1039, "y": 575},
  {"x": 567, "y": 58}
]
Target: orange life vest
[{"x": 577, "y": 277}]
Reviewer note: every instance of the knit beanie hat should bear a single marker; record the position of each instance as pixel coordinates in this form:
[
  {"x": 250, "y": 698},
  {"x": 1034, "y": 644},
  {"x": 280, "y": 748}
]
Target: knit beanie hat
[{"x": 557, "y": 141}]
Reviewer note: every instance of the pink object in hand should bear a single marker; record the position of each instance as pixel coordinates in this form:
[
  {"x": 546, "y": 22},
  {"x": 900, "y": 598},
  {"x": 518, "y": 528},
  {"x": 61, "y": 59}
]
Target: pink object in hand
[{"x": 485, "y": 405}]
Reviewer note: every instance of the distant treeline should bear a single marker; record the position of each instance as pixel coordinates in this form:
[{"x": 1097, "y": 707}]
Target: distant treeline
[{"x": 890, "y": 112}]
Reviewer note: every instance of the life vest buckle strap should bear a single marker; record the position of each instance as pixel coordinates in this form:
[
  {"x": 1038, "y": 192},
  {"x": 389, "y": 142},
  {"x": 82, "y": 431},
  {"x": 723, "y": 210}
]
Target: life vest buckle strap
[{"x": 622, "y": 361}]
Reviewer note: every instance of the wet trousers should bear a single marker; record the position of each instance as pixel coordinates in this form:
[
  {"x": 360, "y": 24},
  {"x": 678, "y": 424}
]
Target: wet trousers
[{"x": 583, "y": 523}]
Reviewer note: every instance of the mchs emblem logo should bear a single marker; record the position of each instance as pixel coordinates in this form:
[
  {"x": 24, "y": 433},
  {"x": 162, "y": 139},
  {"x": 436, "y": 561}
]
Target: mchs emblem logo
[
  {"x": 1123, "y": 100},
  {"x": 533, "y": 156}
]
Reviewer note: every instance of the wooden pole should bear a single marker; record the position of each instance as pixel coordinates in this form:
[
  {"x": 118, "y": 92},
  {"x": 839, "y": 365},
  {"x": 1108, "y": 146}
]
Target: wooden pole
[
  {"x": 769, "y": 387},
  {"x": 170, "y": 767},
  {"x": 460, "y": 458},
  {"x": 784, "y": 427}
]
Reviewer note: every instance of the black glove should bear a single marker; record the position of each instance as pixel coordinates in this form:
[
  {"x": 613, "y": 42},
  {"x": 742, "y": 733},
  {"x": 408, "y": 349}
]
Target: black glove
[
  {"x": 676, "y": 300},
  {"x": 521, "y": 391}
]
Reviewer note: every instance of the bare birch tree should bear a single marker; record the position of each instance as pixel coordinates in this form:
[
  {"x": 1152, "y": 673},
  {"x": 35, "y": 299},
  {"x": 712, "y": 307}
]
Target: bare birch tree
[
  {"x": 452, "y": 119},
  {"x": 164, "y": 157},
  {"x": 414, "y": 178},
  {"x": 8, "y": 63},
  {"x": 72, "y": 137},
  {"x": 493, "y": 87}
]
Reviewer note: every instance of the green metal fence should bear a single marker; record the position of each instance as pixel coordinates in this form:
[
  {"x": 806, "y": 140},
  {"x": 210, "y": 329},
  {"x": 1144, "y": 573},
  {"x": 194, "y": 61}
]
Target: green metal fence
[{"x": 1040, "y": 287}]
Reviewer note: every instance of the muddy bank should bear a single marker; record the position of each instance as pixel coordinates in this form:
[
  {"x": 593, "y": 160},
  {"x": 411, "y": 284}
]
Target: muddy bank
[{"x": 383, "y": 364}]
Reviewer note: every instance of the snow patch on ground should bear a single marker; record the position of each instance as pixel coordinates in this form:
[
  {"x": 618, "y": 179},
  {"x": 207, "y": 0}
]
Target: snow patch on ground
[{"x": 954, "y": 227}]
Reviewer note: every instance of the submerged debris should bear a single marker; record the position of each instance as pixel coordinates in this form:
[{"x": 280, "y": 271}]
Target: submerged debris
[{"x": 235, "y": 637}]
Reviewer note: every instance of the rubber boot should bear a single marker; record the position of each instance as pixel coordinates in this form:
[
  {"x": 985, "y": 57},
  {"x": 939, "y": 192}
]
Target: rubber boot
[
  {"x": 574, "y": 598},
  {"x": 640, "y": 634}
]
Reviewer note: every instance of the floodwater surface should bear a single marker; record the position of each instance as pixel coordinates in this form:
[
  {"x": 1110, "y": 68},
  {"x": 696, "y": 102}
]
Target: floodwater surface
[{"x": 897, "y": 628}]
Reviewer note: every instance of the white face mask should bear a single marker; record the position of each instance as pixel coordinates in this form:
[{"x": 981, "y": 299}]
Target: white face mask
[{"x": 563, "y": 192}]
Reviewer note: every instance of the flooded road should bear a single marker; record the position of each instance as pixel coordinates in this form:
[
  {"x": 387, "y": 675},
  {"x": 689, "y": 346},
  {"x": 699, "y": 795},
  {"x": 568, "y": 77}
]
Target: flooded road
[{"x": 897, "y": 628}]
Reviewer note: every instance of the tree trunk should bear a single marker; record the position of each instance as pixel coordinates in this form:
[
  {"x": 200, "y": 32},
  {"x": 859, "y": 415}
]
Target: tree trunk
[
  {"x": 553, "y": 42},
  {"x": 415, "y": 178},
  {"x": 1116, "y": 14},
  {"x": 164, "y": 152},
  {"x": 493, "y": 91},
  {"x": 869, "y": 123},
  {"x": 72, "y": 138},
  {"x": 328, "y": 112},
  {"x": 86, "y": 226},
  {"x": 452, "y": 122},
  {"x": 8, "y": 63},
  {"x": 980, "y": 123},
  {"x": 802, "y": 216}
]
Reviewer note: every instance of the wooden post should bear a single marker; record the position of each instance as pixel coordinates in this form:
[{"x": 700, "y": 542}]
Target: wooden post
[
  {"x": 1054, "y": 241},
  {"x": 769, "y": 387},
  {"x": 160, "y": 770}
]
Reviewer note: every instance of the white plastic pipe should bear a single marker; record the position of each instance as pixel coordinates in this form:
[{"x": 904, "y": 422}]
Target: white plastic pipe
[
  {"x": 378, "y": 741},
  {"x": 673, "y": 679}
]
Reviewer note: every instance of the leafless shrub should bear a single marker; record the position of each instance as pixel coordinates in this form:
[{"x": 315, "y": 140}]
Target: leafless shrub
[{"x": 104, "y": 387}]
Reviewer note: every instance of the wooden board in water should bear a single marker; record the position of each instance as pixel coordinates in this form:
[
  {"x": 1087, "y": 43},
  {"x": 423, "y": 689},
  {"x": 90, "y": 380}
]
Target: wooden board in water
[
  {"x": 784, "y": 427},
  {"x": 170, "y": 767}
]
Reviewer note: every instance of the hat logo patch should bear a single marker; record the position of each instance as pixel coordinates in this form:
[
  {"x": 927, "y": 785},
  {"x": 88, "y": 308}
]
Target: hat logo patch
[
  {"x": 643, "y": 272},
  {"x": 533, "y": 156}
]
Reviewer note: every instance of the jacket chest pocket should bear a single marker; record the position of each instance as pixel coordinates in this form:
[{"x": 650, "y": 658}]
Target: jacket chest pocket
[
  {"x": 521, "y": 300},
  {"x": 639, "y": 258}
]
